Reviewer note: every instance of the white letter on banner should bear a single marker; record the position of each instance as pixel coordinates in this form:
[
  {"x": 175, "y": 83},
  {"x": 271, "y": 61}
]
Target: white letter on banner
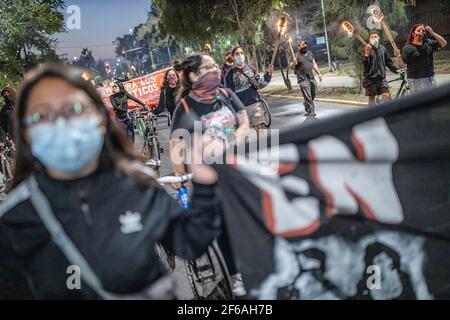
[
  {"x": 284, "y": 217},
  {"x": 349, "y": 183}
]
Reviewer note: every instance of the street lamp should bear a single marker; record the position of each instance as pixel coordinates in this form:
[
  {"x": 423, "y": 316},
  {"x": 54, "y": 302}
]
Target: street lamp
[{"x": 326, "y": 37}]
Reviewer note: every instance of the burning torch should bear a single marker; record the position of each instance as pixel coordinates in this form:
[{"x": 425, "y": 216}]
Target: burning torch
[
  {"x": 378, "y": 17},
  {"x": 282, "y": 24},
  {"x": 292, "y": 50},
  {"x": 347, "y": 26}
]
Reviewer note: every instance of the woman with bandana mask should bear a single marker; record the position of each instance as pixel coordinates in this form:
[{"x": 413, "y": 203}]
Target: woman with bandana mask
[
  {"x": 169, "y": 88},
  {"x": 7, "y": 112},
  {"x": 417, "y": 54},
  {"x": 375, "y": 60},
  {"x": 82, "y": 200},
  {"x": 220, "y": 116}
]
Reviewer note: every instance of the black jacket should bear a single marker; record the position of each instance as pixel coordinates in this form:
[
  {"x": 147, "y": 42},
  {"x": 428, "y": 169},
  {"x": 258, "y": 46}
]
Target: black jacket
[
  {"x": 375, "y": 65},
  {"x": 92, "y": 211},
  {"x": 119, "y": 101},
  {"x": 166, "y": 101},
  {"x": 7, "y": 120}
]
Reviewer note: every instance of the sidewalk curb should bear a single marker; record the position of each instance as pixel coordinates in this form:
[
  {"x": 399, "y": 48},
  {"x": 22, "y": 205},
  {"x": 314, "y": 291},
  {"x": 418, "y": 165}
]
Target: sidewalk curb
[{"x": 354, "y": 103}]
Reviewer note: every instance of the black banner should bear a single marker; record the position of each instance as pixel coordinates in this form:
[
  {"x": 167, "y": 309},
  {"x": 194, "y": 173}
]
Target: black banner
[{"x": 357, "y": 207}]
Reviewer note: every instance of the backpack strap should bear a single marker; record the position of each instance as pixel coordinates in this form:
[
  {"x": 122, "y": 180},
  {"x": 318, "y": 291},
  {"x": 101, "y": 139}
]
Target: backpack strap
[{"x": 224, "y": 92}]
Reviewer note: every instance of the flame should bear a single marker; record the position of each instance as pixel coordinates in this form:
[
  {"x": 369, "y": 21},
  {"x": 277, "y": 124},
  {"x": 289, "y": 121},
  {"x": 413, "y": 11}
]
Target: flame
[
  {"x": 282, "y": 25},
  {"x": 85, "y": 76},
  {"x": 345, "y": 27}
]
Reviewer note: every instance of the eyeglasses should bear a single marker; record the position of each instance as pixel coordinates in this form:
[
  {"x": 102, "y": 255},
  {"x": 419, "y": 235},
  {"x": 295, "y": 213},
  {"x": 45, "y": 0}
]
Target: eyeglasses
[{"x": 69, "y": 111}]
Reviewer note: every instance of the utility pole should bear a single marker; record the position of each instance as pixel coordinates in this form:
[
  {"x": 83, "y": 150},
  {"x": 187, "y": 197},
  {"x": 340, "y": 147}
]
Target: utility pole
[{"x": 326, "y": 37}]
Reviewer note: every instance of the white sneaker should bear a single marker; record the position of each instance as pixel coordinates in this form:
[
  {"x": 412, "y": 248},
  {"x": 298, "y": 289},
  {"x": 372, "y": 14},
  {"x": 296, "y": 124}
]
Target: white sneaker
[{"x": 238, "y": 285}]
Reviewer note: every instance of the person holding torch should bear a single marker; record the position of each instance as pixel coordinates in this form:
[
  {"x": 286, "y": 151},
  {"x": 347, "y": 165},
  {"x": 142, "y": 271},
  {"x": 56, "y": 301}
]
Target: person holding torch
[
  {"x": 304, "y": 64},
  {"x": 375, "y": 60},
  {"x": 417, "y": 54}
]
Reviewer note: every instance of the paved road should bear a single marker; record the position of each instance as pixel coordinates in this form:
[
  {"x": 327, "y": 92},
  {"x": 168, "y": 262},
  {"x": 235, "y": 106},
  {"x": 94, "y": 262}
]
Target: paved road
[{"x": 285, "y": 112}]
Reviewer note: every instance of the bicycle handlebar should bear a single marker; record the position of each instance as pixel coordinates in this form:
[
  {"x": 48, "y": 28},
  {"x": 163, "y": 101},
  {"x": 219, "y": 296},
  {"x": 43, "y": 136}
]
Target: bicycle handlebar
[{"x": 175, "y": 179}]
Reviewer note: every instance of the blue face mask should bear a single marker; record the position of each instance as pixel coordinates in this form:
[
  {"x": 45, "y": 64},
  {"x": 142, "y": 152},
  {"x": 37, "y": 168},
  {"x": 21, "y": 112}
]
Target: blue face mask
[
  {"x": 240, "y": 60},
  {"x": 67, "y": 146},
  {"x": 375, "y": 42}
]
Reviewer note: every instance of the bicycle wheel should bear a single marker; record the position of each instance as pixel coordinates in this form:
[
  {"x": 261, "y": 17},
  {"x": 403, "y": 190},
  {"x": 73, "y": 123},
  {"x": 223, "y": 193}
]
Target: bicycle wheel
[
  {"x": 209, "y": 277},
  {"x": 156, "y": 155},
  {"x": 266, "y": 115}
]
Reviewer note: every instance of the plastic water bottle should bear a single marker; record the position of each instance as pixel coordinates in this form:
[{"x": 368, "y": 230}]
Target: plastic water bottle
[{"x": 183, "y": 198}]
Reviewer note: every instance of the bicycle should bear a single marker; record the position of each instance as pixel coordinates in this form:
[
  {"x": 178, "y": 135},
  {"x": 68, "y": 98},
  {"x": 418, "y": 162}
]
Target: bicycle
[
  {"x": 207, "y": 276},
  {"x": 147, "y": 127},
  {"x": 7, "y": 161},
  {"x": 402, "y": 91}
]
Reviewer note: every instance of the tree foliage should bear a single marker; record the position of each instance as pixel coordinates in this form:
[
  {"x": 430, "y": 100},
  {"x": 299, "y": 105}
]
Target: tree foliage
[
  {"x": 205, "y": 20},
  {"x": 25, "y": 30}
]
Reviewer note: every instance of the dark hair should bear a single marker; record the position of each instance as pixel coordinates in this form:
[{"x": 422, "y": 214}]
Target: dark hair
[
  {"x": 165, "y": 83},
  {"x": 117, "y": 150},
  {"x": 234, "y": 50},
  {"x": 10, "y": 90},
  {"x": 413, "y": 29},
  {"x": 120, "y": 85},
  {"x": 375, "y": 32},
  {"x": 190, "y": 64},
  {"x": 177, "y": 65}
]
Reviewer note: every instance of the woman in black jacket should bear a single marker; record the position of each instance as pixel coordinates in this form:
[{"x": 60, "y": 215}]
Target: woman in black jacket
[
  {"x": 169, "y": 89},
  {"x": 119, "y": 101},
  {"x": 75, "y": 169}
]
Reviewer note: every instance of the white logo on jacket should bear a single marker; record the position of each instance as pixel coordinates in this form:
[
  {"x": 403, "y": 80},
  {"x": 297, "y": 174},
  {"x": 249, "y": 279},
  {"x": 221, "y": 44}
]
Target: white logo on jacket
[{"x": 130, "y": 222}]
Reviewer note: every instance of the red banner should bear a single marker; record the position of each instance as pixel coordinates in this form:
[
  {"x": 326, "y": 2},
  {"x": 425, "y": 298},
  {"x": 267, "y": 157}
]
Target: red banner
[{"x": 145, "y": 88}]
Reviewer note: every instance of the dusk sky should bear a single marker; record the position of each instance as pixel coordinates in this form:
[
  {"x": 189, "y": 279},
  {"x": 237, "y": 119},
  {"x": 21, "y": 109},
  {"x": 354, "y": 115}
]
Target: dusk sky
[{"x": 101, "y": 22}]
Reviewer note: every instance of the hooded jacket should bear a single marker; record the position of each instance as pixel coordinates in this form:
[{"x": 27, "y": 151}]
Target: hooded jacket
[{"x": 113, "y": 221}]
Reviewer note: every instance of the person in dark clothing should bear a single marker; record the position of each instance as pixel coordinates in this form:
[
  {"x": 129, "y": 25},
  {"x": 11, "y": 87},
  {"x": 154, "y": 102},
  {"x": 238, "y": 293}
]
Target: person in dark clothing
[
  {"x": 304, "y": 64},
  {"x": 220, "y": 115},
  {"x": 82, "y": 199},
  {"x": 119, "y": 101},
  {"x": 229, "y": 62},
  {"x": 375, "y": 60},
  {"x": 417, "y": 57},
  {"x": 7, "y": 112},
  {"x": 169, "y": 88},
  {"x": 245, "y": 82}
]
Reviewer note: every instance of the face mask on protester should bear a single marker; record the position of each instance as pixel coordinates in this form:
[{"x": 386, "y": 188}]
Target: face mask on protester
[
  {"x": 172, "y": 80},
  {"x": 420, "y": 36},
  {"x": 229, "y": 60},
  {"x": 207, "y": 85},
  {"x": 240, "y": 60},
  {"x": 375, "y": 42},
  {"x": 67, "y": 146},
  {"x": 304, "y": 50}
]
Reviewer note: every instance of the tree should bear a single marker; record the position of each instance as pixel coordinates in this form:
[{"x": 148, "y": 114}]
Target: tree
[
  {"x": 204, "y": 20},
  {"x": 86, "y": 60},
  {"x": 25, "y": 30}
]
